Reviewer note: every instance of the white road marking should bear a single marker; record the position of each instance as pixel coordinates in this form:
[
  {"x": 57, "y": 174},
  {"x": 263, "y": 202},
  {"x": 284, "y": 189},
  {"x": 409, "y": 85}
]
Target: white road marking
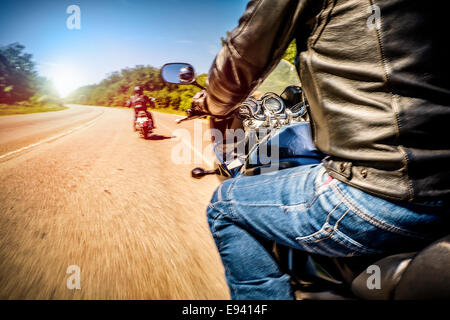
[
  {"x": 84, "y": 125},
  {"x": 209, "y": 162}
]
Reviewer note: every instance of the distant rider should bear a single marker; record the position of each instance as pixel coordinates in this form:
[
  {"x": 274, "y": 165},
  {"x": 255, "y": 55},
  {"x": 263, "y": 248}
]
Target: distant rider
[
  {"x": 140, "y": 102},
  {"x": 186, "y": 74}
]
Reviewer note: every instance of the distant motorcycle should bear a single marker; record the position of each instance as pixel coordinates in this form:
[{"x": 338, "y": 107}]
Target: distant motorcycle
[
  {"x": 143, "y": 124},
  {"x": 281, "y": 120}
]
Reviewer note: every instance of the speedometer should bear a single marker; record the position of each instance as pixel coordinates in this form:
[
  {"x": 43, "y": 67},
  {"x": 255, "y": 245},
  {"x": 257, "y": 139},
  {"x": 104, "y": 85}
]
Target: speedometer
[
  {"x": 272, "y": 103},
  {"x": 248, "y": 108}
]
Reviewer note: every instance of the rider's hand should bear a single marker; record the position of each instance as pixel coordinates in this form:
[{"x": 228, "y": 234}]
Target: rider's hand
[{"x": 198, "y": 106}]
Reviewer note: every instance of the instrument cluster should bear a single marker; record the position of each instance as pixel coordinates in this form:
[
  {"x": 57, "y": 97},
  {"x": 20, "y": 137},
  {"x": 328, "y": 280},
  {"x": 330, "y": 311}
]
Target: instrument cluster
[{"x": 269, "y": 111}]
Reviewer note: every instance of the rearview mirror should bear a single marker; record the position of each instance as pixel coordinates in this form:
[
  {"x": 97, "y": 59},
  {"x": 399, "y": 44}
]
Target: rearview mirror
[{"x": 178, "y": 73}]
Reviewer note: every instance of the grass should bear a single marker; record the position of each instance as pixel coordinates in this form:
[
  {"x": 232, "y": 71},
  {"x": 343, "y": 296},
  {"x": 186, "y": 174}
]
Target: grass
[{"x": 6, "y": 109}]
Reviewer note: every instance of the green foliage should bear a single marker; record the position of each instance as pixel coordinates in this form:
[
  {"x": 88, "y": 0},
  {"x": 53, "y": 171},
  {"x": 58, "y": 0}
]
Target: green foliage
[
  {"x": 117, "y": 88},
  {"x": 19, "y": 82},
  {"x": 17, "y": 74},
  {"x": 21, "y": 108},
  {"x": 282, "y": 76},
  {"x": 291, "y": 52}
]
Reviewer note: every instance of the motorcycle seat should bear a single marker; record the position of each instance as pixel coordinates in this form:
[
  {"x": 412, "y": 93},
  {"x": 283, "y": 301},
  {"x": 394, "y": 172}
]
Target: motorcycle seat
[{"x": 416, "y": 275}]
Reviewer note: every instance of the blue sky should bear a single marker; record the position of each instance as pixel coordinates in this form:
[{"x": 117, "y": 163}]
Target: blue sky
[{"x": 116, "y": 34}]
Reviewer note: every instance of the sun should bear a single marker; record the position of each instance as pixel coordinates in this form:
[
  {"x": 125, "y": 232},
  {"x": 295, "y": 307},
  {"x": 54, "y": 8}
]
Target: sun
[{"x": 65, "y": 79}]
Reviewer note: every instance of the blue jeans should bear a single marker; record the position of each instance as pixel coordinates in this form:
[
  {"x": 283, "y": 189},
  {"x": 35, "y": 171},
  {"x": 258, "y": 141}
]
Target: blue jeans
[{"x": 304, "y": 208}]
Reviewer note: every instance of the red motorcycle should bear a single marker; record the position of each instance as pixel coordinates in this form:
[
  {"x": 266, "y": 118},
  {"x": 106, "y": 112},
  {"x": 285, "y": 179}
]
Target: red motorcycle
[{"x": 143, "y": 124}]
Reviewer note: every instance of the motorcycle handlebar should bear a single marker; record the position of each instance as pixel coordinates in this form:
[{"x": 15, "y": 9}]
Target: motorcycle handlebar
[{"x": 178, "y": 121}]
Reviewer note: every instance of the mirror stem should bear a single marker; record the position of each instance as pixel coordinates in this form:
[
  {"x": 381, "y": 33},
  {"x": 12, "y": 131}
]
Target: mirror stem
[{"x": 195, "y": 83}]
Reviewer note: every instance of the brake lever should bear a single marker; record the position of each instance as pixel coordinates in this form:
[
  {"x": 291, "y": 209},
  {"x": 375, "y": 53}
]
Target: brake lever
[{"x": 178, "y": 121}]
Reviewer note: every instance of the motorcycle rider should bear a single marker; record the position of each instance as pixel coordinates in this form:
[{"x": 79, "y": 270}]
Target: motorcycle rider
[
  {"x": 379, "y": 107},
  {"x": 140, "y": 102},
  {"x": 186, "y": 74}
]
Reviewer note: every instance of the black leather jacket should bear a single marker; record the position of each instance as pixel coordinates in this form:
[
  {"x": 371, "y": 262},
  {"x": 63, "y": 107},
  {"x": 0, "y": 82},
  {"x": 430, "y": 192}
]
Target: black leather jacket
[
  {"x": 140, "y": 102},
  {"x": 379, "y": 90}
]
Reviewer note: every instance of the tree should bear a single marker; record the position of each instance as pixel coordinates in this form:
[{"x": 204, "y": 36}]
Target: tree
[
  {"x": 291, "y": 52},
  {"x": 18, "y": 78},
  {"x": 116, "y": 89}
]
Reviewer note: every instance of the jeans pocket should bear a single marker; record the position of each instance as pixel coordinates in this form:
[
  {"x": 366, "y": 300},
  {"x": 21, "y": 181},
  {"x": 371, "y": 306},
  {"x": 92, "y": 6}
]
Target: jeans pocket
[
  {"x": 380, "y": 213},
  {"x": 328, "y": 227},
  {"x": 330, "y": 240},
  {"x": 325, "y": 232}
]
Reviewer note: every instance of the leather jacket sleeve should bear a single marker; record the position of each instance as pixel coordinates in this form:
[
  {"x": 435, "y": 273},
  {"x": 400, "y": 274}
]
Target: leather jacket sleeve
[{"x": 252, "y": 50}]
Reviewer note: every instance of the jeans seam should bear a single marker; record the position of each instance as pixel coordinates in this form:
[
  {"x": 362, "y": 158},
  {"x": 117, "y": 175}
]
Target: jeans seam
[
  {"x": 286, "y": 207},
  {"x": 272, "y": 180},
  {"x": 369, "y": 218},
  {"x": 328, "y": 250},
  {"x": 317, "y": 192},
  {"x": 316, "y": 250},
  {"x": 231, "y": 186},
  {"x": 356, "y": 246},
  {"x": 219, "y": 192},
  {"x": 318, "y": 180},
  {"x": 219, "y": 243},
  {"x": 250, "y": 204},
  {"x": 318, "y": 232},
  {"x": 213, "y": 224},
  {"x": 307, "y": 204}
]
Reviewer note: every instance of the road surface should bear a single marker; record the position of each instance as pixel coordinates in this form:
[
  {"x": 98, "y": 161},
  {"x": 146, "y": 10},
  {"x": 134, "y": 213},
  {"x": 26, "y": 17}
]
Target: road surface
[{"x": 80, "y": 188}]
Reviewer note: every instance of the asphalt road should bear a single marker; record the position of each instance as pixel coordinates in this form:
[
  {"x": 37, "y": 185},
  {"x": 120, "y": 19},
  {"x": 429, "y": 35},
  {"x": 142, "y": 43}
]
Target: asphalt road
[{"x": 79, "y": 187}]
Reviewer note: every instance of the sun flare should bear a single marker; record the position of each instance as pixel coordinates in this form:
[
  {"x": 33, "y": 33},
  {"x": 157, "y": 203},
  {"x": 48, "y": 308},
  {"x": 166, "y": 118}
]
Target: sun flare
[{"x": 65, "y": 80}]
